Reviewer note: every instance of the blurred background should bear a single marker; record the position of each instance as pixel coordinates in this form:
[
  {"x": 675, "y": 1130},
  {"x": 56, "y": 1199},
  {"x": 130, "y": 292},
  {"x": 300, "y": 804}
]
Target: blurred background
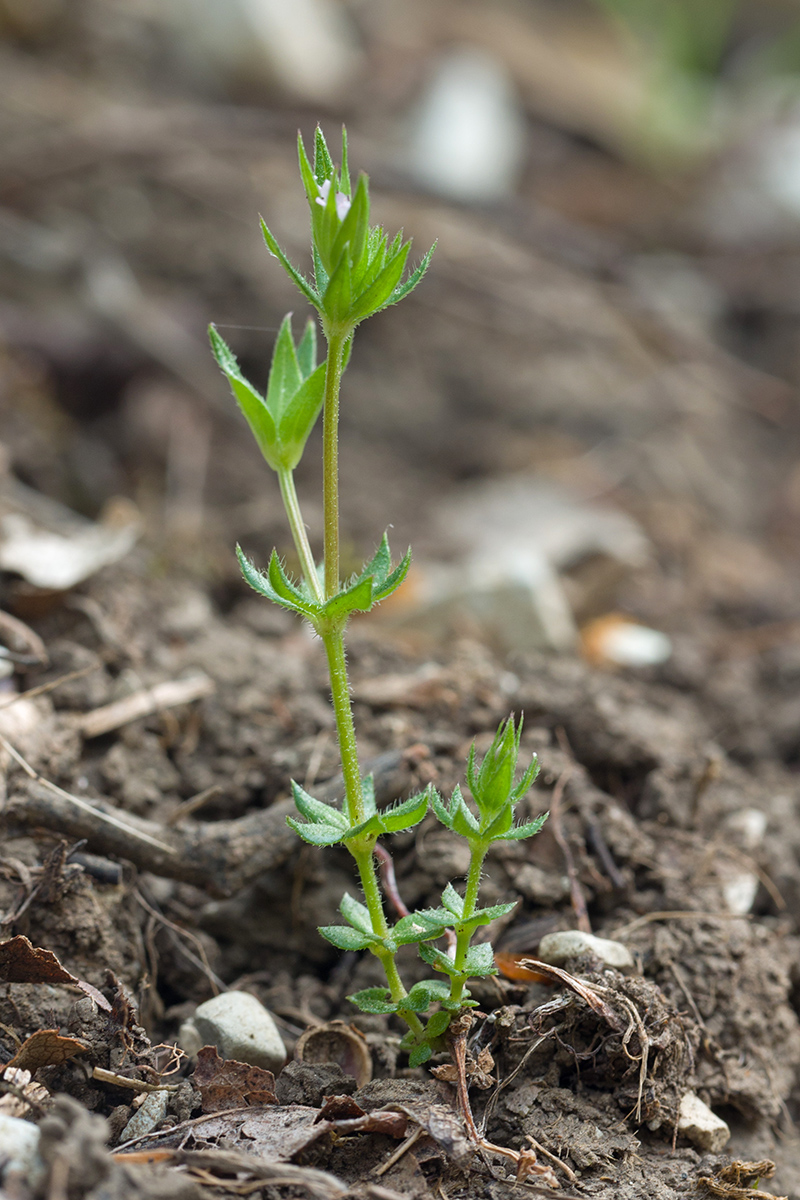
[{"x": 586, "y": 417}]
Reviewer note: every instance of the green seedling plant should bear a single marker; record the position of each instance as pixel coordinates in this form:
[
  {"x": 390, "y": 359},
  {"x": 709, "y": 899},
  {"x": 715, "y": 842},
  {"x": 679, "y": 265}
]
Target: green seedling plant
[{"x": 357, "y": 272}]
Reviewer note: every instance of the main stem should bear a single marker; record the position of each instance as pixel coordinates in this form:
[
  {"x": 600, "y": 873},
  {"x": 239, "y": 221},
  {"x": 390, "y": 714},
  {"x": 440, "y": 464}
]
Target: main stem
[
  {"x": 337, "y": 668},
  {"x": 464, "y": 938},
  {"x": 345, "y": 728},
  {"x": 330, "y": 461},
  {"x": 297, "y": 526}
]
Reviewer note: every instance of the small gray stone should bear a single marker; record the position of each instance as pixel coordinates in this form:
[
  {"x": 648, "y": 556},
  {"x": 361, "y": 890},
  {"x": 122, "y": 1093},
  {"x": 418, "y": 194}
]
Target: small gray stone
[
  {"x": 240, "y": 1028},
  {"x": 701, "y": 1126},
  {"x": 19, "y": 1151},
  {"x": 148, "y": 1116},
  {"x": 559, "y": 948}
]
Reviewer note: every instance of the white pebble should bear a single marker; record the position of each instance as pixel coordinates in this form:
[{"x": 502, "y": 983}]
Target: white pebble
[
  {"x": 559, "y": 948},
  {"x": 700, "y": 1125},
  {"x": 240, "y": 1028},
  {"x": 469, "y": 140},
  {"x": 740, "y": 892},
  {"x": 19, "y": 1150},
  {"x": 631, "y": 645}
]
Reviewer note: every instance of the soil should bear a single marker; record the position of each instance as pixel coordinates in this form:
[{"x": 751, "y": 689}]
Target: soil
[{"x": 673, "y": 789}]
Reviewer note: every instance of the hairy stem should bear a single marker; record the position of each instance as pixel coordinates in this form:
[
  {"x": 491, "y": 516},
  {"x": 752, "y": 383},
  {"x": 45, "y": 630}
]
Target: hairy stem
[
  {"x": 345, "y": 729},
  {"x": 365, "y": 861},
  {"x": 337, "y": 668},
  {"x": 464, "y": 937},
  {"x": 297, "y": 526},
  {"x": 330, "y": 461}
]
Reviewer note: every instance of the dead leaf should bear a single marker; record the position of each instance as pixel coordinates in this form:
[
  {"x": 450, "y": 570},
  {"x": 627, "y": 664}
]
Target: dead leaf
[
  {"x": 445, "y": 1127},
  {"x": 225, "y": 1083},
  {"x": 386, "y": 1121},
  {"x": 314, "y": 1184},
  {"x": 274, "y": 1132},
  {"x": 22, "y": 962},
  {"x": 25, "y": 1097},
  {"x": 339, "y": 1108},
  {"x": 740, "y": 1180},
  {"x": 280, "y": 1132},
  {"x": 477, "y": 1070},
  {"x": 586, "y": 993},
  {"x": 46, "y": 1048}
]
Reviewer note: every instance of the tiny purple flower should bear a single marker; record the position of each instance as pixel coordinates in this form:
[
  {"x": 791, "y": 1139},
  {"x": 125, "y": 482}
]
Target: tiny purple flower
[{"x": 342, "y": 202}]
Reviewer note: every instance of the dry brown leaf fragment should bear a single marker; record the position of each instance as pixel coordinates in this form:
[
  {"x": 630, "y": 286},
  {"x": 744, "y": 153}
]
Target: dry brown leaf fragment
[
  {"x": 22, "y": 962},
  {"x": 46, "y": 1048},
  {"x": 217, "y": 1167},
  {"x": 477, "y": 1070},
  {"x": 739, "y": 1180},
  {"x": 22, "y": 1096},
  {"x": 444, "y": 1125},
  {"x": 586, "y": 993},
  {"x": 225, "y": 1083},
  {"x": 386, "y": 1121},
  {"x": 339, "y": 1108}
]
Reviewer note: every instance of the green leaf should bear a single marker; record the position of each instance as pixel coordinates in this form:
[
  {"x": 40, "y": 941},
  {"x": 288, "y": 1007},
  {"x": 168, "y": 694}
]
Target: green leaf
[
  {"x": 479, "y": 961},
  {"x": 323, "y": 163},
  {"x": 439, "y": 960},
  {"x": 414, "y": 928},
  {"x": 315, "y": 811},
  {"x": 288, "y": 593},
  {"x": 368, "y": 794},
  {"x": 351, "y": 237},
  {"x": 494, "y": 782},
  {"x": 419, "y": 1055},
  {"x": 370, "y": 827},
  {"x": 441, "y": 809},
  {"x": 426, "y": 993},
  {"x": 438, "y": 1023},
  {"x": 414, "y": 278},
  {"x": 344, "y": 170},
  {"x": 356, "y": 914},
  {"x": 251, "y": 404},
  {"x": 320, "y": 274},
  {"x": 284, "y": 375},
  {"x": 406, "y": 814},
  {"x": 525, "y": 831},
  {"x": 276, "y": 586},
  {"x": 452, "y": 901},
  {"x": 464, "y": 1001},
  {"x": 357, "y": 598},
  {"x": 307, "y": 174},
  {"x": 379, "y": 569},
  {"x": 438, "y": 916},
  {"x": 307, "y": 349},
  {"x": 464, "y": 822},
  {"x": 374, "y": 1000},
  {"x": 299, "y": 280},
  {"x": 377, "y": 295},
  {"x": 257, "y": 580},
  {"x": 316, "y": 834},
  {"x": 484, "y": 916},
  {"x": 299, "y": 416},
  {"x": 380, "y": 564},
  {"x": 500, "y": 826},
  {"x": 526, "y": 781},
  {"x": 394, "y": 579},
  {"x": 337, "y": 301},
  {"x": 345, "y": 938}
]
